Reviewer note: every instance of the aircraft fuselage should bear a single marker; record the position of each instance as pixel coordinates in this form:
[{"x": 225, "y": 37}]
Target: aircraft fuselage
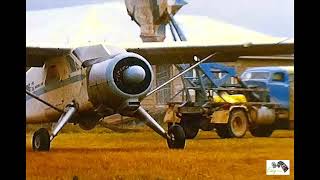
[{"x": 57, "y": 82}]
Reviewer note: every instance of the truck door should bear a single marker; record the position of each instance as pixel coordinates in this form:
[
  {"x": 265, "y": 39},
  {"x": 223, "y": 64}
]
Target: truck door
[{"x": 279, "y": 88}]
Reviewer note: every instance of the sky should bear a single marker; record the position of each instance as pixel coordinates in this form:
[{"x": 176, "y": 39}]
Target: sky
[{"x": 272, "y": 17}]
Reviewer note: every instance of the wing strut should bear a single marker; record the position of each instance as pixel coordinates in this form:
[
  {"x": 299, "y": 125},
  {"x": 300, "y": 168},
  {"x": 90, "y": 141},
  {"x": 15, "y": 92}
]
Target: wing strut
[{"x": 44, "y": 102}]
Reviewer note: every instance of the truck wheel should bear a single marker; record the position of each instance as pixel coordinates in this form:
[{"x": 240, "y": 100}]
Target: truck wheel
[
  {"x": 238, "y": 123},
  {"x": 262, "y": 131},
  {"x": 177, "y": 138},
  {"x": 236, "y": 127},
  {"x": 205, "y": 125},
  {"x": 190, "y": 128},
  {"x": 222, "y": 131}
]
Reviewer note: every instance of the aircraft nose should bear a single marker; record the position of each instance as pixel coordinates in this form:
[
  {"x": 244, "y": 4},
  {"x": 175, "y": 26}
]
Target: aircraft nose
[{"x": 134, "y": 75}]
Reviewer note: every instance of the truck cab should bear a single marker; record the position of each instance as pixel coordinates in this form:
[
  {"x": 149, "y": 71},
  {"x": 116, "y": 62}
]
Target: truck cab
[{"x": 279, "y": 82}]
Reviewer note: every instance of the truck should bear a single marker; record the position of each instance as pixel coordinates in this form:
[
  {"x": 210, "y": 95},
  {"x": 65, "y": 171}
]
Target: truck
[
  {"x": 259, "y": 101},
  {"x": 280, "y": 83}
]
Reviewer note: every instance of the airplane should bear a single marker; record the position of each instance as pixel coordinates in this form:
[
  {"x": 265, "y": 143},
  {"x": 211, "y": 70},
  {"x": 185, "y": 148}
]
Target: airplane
[{"x": 81, "y": 84}]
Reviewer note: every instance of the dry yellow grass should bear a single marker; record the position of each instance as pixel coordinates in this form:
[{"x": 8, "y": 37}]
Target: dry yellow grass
[{"x": 144, "y": 155}]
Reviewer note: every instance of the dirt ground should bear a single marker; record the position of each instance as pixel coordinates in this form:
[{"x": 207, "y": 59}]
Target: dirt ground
[{"x": 144, "y": 155}]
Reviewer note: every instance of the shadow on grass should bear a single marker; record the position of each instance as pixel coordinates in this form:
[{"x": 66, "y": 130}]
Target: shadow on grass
[
  {"x": 218, "y": 138},
  {"x": 103, "y": 149}
]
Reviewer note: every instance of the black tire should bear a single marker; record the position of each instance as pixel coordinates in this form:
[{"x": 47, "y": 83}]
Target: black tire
[
  {"x": 41, "y": 140},
  {"x": 222, "y": 131},
  {"x": 87, "y": 125},
  {"x": 262, "y": 131},
  {"x": 205, "y": 125},
  {"x": 190, "y": 127},
  {"x": 236, "y": 127},
  {"x": 177, "y": 140}
]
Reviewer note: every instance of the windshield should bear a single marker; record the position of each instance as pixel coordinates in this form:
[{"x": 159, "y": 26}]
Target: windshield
[{"x": 255, "y": 75}]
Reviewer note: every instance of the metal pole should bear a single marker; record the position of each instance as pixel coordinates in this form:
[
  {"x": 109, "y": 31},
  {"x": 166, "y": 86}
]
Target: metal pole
[
  {"x": 177, "y": 28},
  {"x": 172, "y": 31},
  {"x": 203, "y": 90}
]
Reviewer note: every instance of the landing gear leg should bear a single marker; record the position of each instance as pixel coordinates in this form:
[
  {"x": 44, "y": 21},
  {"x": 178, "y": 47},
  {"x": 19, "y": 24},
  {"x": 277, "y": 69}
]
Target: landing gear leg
[
  {"x": 175, "y": 136},
  {"x": 41, "y": 138}
]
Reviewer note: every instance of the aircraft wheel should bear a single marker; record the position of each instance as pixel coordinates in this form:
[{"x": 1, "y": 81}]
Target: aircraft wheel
[
  {"x": 262, "y": 131},
  {"x": 41, "y": 140},
  {"x": 177, "y": 140}
]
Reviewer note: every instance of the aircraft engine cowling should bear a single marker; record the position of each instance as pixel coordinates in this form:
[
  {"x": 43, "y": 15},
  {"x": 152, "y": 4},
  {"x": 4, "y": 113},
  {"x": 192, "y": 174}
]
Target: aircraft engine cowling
[{"x": 118, "y": 84}]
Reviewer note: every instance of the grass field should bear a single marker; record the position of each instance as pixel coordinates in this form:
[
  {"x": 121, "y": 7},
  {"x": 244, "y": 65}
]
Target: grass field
[{"x": 102, "y": 154}]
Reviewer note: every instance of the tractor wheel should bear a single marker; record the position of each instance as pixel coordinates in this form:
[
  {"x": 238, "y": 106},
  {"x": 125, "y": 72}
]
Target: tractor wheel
[{"x": 190, "y": 127}]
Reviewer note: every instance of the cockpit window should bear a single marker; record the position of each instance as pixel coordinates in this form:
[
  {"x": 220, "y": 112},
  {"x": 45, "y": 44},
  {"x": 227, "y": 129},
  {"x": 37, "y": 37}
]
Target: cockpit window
[
  {"x": 53, "y": 75},
  {"x": 255, "y": 75},
  {"x": 73, "y": 66}
]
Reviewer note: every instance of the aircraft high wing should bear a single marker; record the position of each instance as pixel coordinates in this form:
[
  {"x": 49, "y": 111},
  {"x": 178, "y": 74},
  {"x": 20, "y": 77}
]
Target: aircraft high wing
[
  {"x": 170, "y": 53},
  {"x": 183, "y": 52}
]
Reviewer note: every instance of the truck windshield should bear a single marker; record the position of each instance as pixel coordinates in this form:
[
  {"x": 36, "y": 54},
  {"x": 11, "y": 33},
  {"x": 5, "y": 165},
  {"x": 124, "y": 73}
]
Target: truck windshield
[{"x": 255, "y": 75}]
